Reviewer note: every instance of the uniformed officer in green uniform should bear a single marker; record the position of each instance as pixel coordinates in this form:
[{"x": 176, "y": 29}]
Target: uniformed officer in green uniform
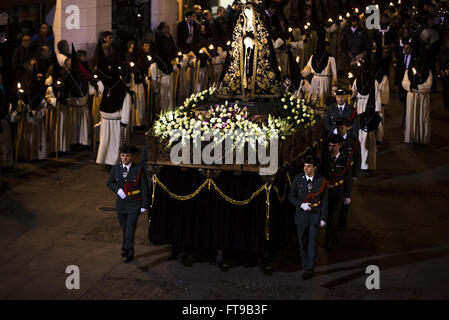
[
  {"x": 309, "y": 196},
  {"x": 129, "y": 182},
  {"x": 351, "y": 148},
  {"x": 335, "y": 167}
]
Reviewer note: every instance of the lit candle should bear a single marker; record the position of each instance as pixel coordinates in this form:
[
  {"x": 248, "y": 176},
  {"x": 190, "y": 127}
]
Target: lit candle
[
  {"x": 350, "y": 76},
  {"x": 132, "y": 64},
  {"x": 211, "y": 47},
  {"x": 330, "y": 20},
  {"x": 348, "y": 15}
]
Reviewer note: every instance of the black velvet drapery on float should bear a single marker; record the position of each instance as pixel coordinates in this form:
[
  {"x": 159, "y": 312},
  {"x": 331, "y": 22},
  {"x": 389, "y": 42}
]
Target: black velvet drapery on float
[{"x": 208, "y": 222}]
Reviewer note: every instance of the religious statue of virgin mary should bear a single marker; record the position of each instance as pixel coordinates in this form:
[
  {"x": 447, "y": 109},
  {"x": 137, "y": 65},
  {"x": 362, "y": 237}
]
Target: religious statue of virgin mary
[{"x": 252, "y": 73}]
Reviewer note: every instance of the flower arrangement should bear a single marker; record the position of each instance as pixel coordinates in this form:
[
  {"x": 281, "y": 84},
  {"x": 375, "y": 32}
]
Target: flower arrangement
[{"x": 201, "y": 114}]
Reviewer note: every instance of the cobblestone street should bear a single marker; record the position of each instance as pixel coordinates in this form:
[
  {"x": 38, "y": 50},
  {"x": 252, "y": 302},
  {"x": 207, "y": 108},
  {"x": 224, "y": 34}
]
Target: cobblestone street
[{"x": 59, "y": 213}]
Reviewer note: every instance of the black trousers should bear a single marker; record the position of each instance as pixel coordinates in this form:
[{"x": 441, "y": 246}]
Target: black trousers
[
  {"x": 128, "y": 223},
  {"x": 445, "y": 85},
  {"x": 343, "y": 219},
  {"x": 336, "y": 198},
  {"x": 308, "y": 230}
]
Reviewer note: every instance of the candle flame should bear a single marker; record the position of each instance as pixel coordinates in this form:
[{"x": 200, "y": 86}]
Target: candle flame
[
  {"x": 19, "y": 85},
  {"x": 350, "y": 75},
  {"x": 132, "y": 64}
]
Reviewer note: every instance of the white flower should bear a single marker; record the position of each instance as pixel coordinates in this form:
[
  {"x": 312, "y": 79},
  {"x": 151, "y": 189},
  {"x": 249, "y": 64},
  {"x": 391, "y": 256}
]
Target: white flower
[{"x": 285, "y": 107}]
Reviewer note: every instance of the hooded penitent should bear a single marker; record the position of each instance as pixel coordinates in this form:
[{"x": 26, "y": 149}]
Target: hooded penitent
[
  {"x": 76, "y": 84},
  {"x": 418, "y": 72},
  {"x": 321, "y": 56},
  {"x": 110, "y": 74}
]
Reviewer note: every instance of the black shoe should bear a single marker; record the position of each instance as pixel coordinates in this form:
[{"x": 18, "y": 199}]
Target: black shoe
[
  {"x": 331, "y": 245},
  {"x": 172, "y": 257},
  {"x": 308, "y": 274},
  {"x": 185, "y": 259},
  {"x": 268, "y": 270},
  {"x": 128, "y": 259},
  {"x": 249, "y": 264},
  {"x": 125, "y": 253},
  {"x": 182, "y": 257}
]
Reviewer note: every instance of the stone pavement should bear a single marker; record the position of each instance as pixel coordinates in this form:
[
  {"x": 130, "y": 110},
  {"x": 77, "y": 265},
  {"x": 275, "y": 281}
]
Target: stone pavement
[{"x": 59, "y": 213}]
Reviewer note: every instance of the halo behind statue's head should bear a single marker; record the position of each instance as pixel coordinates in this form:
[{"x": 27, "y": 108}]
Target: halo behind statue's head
[{"x": 254, "y": 2}]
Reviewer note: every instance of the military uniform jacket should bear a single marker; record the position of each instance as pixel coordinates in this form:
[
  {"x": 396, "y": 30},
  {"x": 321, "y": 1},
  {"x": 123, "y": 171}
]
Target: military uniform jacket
[
  {"x": 333, "y": 113},
  {"x": 351, "y": 149},
  {"x": 300, "y": 194},
  {"x": 135, "y": 186},
  {"x": 338, "y": 173}
]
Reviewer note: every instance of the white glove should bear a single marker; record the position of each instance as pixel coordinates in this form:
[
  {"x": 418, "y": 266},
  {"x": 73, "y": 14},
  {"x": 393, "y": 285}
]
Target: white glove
[
  {"x": 142, "y": 210},
  {"x": 121, "y": 194},
  {"x": 322, "y": 223},
  {"x": 335, "y": 131},
  {"x": 306, "y": 207},
  {"x": 347, "y": 201}
]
